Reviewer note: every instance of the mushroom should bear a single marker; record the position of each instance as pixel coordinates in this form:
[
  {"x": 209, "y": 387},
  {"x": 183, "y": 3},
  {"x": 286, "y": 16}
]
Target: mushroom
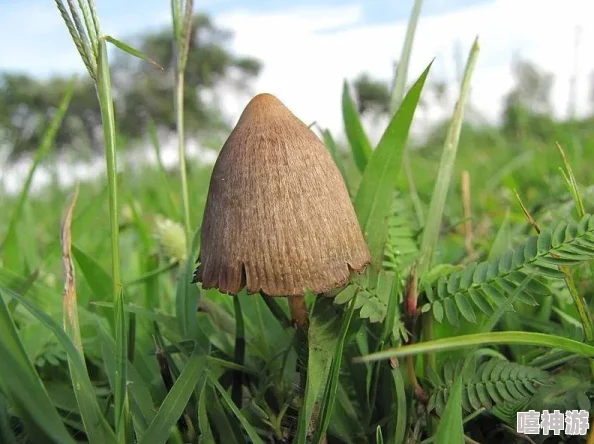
[{"x": 278, "y": 218}]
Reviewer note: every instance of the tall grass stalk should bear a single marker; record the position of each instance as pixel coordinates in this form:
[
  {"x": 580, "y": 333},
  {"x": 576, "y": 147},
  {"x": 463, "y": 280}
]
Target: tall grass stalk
[
  {"x": 93, "y": 51},
  {"x": 91, "y": 45},
  {"x": 398, "y": 87},
  {"x": 574, "y": 190},
  {"x": 446, "y": 168},
  {"x": 109, "y": 134},
  {"x": 181, "y": 12},
  {"x": 401, "y": 75}
]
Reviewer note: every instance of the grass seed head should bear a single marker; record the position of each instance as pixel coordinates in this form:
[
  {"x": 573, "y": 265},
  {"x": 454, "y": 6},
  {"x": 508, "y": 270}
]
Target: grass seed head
[
  {"x": 278, "y": 216},
  {"x": 171, "y": 238}
]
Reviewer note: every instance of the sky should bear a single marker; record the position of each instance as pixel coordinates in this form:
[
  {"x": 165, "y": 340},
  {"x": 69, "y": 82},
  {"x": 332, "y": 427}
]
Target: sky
[{"x": 309, "y": 47}]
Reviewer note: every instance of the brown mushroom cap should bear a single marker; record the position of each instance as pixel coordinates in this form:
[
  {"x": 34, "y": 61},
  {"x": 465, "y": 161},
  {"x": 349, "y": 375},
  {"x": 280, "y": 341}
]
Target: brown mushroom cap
[{"x": 278, "y": 217}]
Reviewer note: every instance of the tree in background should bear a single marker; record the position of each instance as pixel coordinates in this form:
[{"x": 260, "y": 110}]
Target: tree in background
[
  {"x": 528, "y": 107},
  {"x": 527, "y": 110},
  {"x": 149, "y": 92},
  {"x": 142, "y": 93},
  {"x": 373, "y": 96},
  {"x": 27, "y": 104}
]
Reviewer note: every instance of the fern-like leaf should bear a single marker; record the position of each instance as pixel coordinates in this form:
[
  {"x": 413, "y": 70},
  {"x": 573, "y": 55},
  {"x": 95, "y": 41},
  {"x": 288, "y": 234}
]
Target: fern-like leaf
[
  {"x": 570, "y": 391},
  {"x": 485, "y": 285},
  {"x": 372, "y": 303},
  {"x": 402, "y": 246},
  {"x": 495, "y": 382}
]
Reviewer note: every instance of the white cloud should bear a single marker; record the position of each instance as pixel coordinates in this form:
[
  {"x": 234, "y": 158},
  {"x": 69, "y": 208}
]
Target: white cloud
[{"x": 304, "y": 65}]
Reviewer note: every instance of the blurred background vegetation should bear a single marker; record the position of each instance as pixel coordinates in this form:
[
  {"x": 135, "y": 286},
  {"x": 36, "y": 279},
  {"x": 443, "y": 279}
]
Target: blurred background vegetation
[{"x": 143, "y": 93}]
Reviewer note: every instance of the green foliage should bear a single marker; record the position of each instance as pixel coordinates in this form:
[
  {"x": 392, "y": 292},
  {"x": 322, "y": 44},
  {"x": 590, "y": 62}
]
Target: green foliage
[
  {"x": 450, "y": 428},
  {"x": 176, "y": 400},
  {"x": 23, "y": 388},
  {"x": 373, "y": 201},
  {"x": 96, "y": 426},
  {"x": 485, "y": 284},
  {"x": 355, "y": 133},
  {"x": 10, "y": 244},
  {"x": 402, "y": 245},
  {"x": 373, "y": 303},
  {"x": 493, "y": 383}
]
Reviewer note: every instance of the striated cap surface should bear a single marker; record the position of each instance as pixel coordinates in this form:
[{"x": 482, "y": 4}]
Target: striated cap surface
[{"x": 278, "y": 217}]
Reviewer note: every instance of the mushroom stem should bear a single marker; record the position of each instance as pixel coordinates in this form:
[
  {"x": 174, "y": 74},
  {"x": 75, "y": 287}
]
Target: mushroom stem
[{"x": 298, "y": 311}]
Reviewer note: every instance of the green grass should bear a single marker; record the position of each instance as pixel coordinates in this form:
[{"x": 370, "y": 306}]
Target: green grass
[{"x": 104, "y": 339}]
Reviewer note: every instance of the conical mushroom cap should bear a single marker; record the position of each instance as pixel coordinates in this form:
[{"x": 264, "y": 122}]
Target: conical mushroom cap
[{"x": 278, "y": 217}]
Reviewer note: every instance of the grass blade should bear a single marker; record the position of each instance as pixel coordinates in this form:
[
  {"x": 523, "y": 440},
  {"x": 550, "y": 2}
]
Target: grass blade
[
  {"x": 141, "y": 399},
  {"x": 451, "y": 427},
  {"x": 23, "y": 387},
  {"x": 398, "y": 91},
  {"x": 176, "y": 400},
  {"x": 132, "y": 51},
  {"x": 9, "y": 246},
  {"x": 374, "y": 197},
  {"x": 71, "y": 324},
  {"x": 379, "y": 437},
  {"x": 331, "y": 144},
  {"x": 401, "y": 408},
  {"x": 402, "y": 68},
  {"x": 572, "y": 184},
  {"x": 122, "y": 403},
  {"x": 100, "y": 283},
  {"x": 252, "y": 434},
  {"x": 98, "y": 430},
  {"x": 206, "y": 435},
  {"x": 176, "y": 9},
  {"x": 356, "y": 136},
  {"x": 188, "y": 295},
  {"x": 182, "y": 38},
  {"x": 97, "y": 277},
  {"x": 109, "y": 132},
  {"x": 482, "y": 339},
  {"x": 446, "y": 169},
  {"x": 574, "y": 189}
]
